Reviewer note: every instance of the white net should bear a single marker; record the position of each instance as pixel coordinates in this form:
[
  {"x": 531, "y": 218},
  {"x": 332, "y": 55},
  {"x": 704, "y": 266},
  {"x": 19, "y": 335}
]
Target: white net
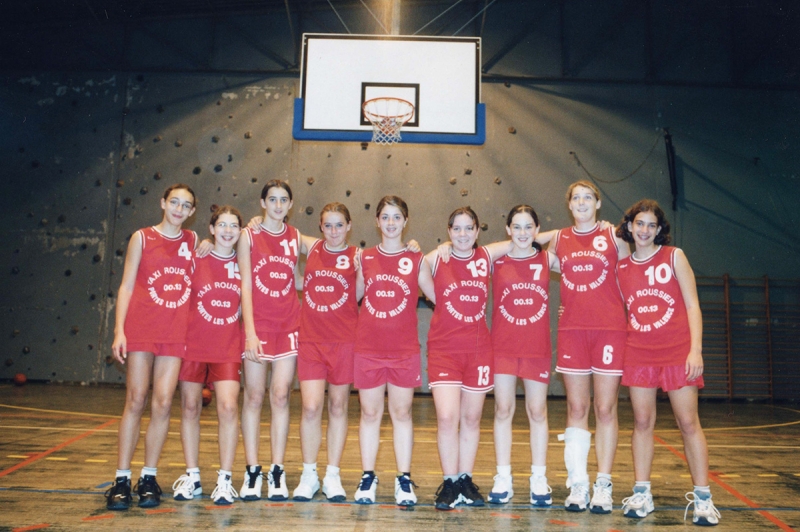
[{"x": 387, "y": 115}]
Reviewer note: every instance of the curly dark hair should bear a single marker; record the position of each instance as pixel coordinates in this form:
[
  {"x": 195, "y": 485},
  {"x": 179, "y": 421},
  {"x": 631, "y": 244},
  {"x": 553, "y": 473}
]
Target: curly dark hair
[{"x": 645, "y": 205}]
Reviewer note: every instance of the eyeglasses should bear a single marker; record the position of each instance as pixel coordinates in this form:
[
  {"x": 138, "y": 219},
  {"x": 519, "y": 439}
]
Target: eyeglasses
[{"x": 178, "y": 204}]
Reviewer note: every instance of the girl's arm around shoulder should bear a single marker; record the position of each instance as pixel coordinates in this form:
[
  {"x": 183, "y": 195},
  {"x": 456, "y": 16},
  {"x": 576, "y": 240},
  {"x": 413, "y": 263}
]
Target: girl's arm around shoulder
[
  {"x": 306, "y": 242},
  {"x": 545, "y": 237},
  {"x": 425, "y": 280},
  {"x": 499, "y": 249}
]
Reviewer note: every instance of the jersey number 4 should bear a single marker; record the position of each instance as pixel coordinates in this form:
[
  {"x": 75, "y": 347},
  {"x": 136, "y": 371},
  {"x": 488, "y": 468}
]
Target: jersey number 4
[{"x": 184, "y": 251}]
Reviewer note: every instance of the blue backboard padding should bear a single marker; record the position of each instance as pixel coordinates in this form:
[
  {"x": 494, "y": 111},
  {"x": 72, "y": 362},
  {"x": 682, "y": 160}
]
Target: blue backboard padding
[{"x": 366, "y": 136}]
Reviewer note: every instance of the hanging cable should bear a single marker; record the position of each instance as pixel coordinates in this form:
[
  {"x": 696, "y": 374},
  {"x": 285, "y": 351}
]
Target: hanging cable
[
  {"x": 473, "y": 18},
  {"x": 376, "y": 18},
  {"x": 607, "y": 181},
  {"x": 437, "y": 16},
  {"x": 337, "y": 16}
]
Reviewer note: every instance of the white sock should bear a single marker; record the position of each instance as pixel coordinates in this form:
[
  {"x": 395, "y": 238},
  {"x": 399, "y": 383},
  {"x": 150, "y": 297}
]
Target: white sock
[
  {"x": 223, "y": 475},
  {"x": 504, "y": 470},
  {"x": 309, "y": 468},
  {"x": 194, "y": 473},
  {"x": 538, "y": 471},
  {"x": 149, "y": 471},
  {"x": 123, "y": 473},
  {"x": 331, "y": 471},
  {"x": 641, "y": 486},
  {"x": 603, "y": 476}
]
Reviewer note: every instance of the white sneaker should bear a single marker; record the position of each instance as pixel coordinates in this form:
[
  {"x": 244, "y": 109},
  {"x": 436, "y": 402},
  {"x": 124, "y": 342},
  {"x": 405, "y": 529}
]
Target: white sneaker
[
  {"x": 503, "y": 489},
  {"x": 638, "y": 505},
  {"x": 602, "y": 501},
  {"x": 578, "y": 498},
  {"x": 224, "y": 494},
  {"x": 705, "y": 513},
  {"x": 540, "y": 491},
  {"x": 276, "y": 485},
  {"x": 186, "y": 489},
  {"x": 404, "y": 491},
  {"x": 308, "y": 487},
  {"x": 332, "y": 488},
  {"x": 367, "y": 488},
  {"x": 251, "y": 488}
]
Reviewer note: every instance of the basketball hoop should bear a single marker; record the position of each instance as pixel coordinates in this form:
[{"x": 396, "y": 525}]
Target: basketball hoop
[{"x": 387, "y": 116}]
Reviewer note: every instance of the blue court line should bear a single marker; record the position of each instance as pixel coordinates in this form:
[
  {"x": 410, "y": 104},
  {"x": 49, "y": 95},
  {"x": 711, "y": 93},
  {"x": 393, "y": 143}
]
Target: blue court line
[{"x": 300, "y": 504}]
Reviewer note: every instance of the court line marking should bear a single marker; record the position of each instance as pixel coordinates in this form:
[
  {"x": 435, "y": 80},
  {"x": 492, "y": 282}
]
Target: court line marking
[
  {"x": 716, "y": 478},
  {"x": 58, "y": 447}
]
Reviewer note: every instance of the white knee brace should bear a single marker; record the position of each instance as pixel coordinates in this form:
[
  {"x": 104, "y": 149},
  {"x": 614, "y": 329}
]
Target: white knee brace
[{"x": 576, "y": 454}]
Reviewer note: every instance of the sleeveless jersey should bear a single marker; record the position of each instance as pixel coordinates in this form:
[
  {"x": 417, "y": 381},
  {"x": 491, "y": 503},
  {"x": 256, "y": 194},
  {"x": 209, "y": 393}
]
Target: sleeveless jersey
[
  {"x": 589, "y": 293},
  {"x": 520, "y": 313},
  {"x": 329, "y": 313},
  {"x": 462, "y": 289},
  {"x": 159, "y": 307},
  {"x": 215, "y": 330},
  {"x": 273, "y": 258},
  {"x": 387, "y": 322},
  {"x": 658, "y": 327}
]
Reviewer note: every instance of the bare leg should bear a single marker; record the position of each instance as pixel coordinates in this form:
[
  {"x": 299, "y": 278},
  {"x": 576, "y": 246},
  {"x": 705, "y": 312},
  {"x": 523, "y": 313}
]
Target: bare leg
[
  {"x": 400, "y": 402},
  {"x": 643, "y": 401},
  {"x": 279, "y": 390},
  {"x": 165, "y": 380},
  {"x": 191, "y": 406},
  {"x": 606, "y": 392},
  {"x": 227, "y": 393},
  {"x": 137, "y": 386},
  {"x": 578, "y": 400},
  {"x": 447, "y": 400},
  {"x": 338, "y": 404},
  {"x": 313, "y": 395},
  {"x": 536, "y": 407},
  {"x": 684, "y": 406},
  {"x": 255, "y": 383},
  {"x": 369, "y": 427},
  {"x": 505, "y": 401},
  {"x": 469, "y": 436}
]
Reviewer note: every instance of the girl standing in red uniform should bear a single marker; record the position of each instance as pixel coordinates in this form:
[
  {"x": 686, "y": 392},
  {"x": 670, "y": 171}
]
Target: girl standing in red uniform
[
  {"x": 591, "y": 343},
  {"x": 213, "y": 356},
  {"x": 271, "y": 316},
  {"x": 387, "y": 352},
  {"x": 663, "y": 349},
  {"x": 460, "y": 354},
  {"x": 328, "y": 319},
  {"x": 521, "y": 343},
  {"x": 149, "y": 335}
]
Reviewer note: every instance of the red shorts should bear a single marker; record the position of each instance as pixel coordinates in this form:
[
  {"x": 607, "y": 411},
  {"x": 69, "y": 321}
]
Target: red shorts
[
  {"x": 532, "y": 369},
  {"x": 277, "y": 346},
  {"x": 471, "y": 371},
  {"x": 668, "y": 378},
  {"x": 208, "y": 372},
  {"x": 583, "y": 352},
  {"x": 159, "y": 350},
  {"x": 371, "y": 371},
  {"x": 328, "y": 362}
]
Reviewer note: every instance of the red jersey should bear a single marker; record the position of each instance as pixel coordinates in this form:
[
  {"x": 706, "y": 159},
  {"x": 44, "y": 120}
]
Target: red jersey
[
  {"x": 159, "y": 310},
  {"x": 273, "y": 258},
  {"x": 215, "y": 331},
  {"x": 462, "y": 289},
  {"x": 658, "y": 327},
  {"x": 330, "y": 311},
  {"x": 387, "y": 323},
  {"x": 520, "y": 314},
  {"x": 589, "y": 293}
]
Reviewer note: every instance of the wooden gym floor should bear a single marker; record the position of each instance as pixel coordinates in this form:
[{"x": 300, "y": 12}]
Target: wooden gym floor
[{"x": 58, "y": 456}]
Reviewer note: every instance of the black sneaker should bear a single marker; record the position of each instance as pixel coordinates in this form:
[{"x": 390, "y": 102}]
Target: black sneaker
[
  {"x": 149, "y": 492},
  {"x": 118, "y": 496},
  {"x": 470, "y": 493},
  {"x": 447, "y": 495}
]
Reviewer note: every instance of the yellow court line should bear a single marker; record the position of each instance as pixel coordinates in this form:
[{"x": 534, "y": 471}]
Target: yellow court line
[
  {"x": 91, "y": 461},
  {"x": 17, "y": 456},
  {"x": 45, "y": 411},
  {"x": 767, "y": 475},
  {"x": 729, "y": 475},
  {"x": 176, "y": 464},
  {"x": 56, "y": 459}
]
